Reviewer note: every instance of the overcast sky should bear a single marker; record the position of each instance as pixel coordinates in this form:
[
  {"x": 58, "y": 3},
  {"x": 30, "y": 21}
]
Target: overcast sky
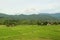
[{"x": 29, "y": 6}]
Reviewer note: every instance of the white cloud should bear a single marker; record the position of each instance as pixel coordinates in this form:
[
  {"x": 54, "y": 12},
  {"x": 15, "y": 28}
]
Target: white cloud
[{"x": 29, "y": 6}]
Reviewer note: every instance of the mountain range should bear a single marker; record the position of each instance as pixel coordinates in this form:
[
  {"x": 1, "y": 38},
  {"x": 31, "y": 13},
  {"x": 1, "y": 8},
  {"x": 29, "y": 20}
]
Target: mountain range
[{"x": 40, "y": 16}]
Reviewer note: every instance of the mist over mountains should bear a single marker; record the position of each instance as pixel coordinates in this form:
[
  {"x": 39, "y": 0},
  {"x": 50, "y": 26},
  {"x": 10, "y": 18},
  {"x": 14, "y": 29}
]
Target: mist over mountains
[{"x": 40, "y": 16}]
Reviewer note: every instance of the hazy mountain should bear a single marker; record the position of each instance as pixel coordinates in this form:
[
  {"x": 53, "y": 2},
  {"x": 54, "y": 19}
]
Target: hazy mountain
[
  {"x": 56, "y": 15},
  {"x": 41, "y": 16}
]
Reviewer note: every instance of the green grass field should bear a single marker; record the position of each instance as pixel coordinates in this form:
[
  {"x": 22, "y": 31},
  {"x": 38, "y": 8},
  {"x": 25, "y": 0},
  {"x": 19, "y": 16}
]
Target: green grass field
[{"x": 30, "y": 32}]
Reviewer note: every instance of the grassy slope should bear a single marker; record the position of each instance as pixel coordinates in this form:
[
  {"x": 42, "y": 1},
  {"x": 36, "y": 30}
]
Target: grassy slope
[{"x": 29, "y": 32}]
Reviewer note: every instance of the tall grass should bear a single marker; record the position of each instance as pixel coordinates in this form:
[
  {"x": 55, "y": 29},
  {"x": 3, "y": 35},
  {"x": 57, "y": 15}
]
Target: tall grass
[{"x": 30, "y": 32}]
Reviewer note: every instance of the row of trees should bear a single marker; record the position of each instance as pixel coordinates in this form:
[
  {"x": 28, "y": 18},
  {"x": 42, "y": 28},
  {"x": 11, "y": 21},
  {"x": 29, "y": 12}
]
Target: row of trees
[{"x": 12, "y": 23}]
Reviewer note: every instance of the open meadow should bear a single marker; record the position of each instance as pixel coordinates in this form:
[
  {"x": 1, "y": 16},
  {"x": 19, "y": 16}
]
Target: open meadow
[{"x": 30, "y": 32}]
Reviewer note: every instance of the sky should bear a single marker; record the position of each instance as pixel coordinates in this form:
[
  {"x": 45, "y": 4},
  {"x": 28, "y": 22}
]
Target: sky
[{"x": 29, "y": 6}]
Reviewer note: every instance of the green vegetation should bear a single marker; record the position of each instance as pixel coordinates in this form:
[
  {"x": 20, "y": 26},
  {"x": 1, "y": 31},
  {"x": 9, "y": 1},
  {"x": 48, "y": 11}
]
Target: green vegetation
[
  {"x": 30, "y": 27},
  {"x": 33, "y": 19},
  {"x": 30, "y": 32}
]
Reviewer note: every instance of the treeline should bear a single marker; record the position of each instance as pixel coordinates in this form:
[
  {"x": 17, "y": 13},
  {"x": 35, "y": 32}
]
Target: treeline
[
  {"x": 10, "y": 22},
  {"x": 34, "y": 19}
]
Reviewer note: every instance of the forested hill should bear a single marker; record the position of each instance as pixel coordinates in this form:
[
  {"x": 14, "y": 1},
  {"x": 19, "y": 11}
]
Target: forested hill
[{"x": 42, "y": 16}]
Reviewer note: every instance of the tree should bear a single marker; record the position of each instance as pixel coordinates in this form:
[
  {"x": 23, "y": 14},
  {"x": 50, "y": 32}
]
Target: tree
[{"x": 10, "y": 23}]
